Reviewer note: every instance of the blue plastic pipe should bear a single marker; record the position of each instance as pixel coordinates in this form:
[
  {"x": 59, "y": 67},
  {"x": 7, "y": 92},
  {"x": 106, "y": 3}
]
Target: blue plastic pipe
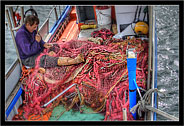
[
  {"x": 155, "y": 81},
  {"x": 131, "y": 65}
]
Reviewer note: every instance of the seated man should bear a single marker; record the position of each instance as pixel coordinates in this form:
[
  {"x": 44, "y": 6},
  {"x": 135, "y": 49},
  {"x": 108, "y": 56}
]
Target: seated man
[{"x": 30, "y": 45}]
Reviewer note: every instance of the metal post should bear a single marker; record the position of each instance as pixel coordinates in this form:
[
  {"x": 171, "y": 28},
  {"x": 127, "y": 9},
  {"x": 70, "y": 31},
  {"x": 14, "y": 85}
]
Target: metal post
[
  {"x": 11, "y": 13},
  {"x": 153, "y": 70},
  {"x": 124, "y": 114},
  {"x": 59, "y": 11},
  {"x": 150, "y": 10},
  {"x": 13, "y": 36},
  {"x": 55, "y": 10},
  {"x": 150, "y": 46},
  {"x": 155, "y": 63},
  {"x": 59, "y": 95},
  {"x": 162, "y": 113}
]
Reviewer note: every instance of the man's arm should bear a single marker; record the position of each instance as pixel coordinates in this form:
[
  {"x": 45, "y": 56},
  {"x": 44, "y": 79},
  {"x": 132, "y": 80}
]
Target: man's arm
[
  {"x": 26, "y": 46},
  {"x": 42, "y": 43}
]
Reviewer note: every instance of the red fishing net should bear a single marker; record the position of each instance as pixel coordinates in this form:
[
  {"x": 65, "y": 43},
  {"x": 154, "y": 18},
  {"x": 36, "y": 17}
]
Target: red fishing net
[{"x": 102, "y": 79}]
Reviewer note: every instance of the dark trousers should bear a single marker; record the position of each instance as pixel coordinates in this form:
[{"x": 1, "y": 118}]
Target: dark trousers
[{"x": 45, "y": 61}]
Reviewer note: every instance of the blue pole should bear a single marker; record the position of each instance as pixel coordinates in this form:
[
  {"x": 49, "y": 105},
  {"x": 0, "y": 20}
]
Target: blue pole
[
  {"x": 155, "y": 81},
  {"x": 131, "y": 65}
]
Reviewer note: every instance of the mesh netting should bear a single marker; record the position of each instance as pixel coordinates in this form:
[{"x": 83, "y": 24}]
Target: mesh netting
[{"x": 102, "y": 79}]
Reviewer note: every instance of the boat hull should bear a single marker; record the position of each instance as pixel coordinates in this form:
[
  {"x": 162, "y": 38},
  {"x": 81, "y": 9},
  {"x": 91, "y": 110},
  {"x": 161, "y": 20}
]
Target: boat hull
[{"x": 71, "y": 32}]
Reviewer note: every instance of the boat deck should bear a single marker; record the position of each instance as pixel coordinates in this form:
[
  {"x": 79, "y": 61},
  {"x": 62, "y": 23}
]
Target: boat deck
[
  {"x": 110, "y": 82},
  {"x": 71, "y": 31},
  {"x": 87, "y": 32}
]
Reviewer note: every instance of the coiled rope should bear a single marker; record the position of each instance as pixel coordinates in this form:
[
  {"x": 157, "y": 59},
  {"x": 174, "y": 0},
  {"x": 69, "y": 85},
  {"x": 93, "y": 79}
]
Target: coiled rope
[{"x": 141, "y": 105}]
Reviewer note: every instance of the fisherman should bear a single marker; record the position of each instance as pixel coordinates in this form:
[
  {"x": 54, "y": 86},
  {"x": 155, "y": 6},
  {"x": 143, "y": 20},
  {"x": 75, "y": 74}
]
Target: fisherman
[{"x": 30, "y": 45}]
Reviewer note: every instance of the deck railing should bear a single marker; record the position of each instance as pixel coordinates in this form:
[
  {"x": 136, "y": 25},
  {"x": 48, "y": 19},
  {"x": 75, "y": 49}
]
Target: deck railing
[
  {"x": 43, "y": 30},
  {"x": 10, "y": 78}
]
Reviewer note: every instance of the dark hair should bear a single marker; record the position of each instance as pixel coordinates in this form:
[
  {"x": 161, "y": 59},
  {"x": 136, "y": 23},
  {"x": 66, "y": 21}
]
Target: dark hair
[{"x": 31, "y": 19}]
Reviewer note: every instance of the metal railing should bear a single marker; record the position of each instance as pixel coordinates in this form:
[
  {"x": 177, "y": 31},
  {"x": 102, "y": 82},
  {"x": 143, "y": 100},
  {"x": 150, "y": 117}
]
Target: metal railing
[
  {"x": 44, "y": 29},
  {"x": 12, "y": 29}
]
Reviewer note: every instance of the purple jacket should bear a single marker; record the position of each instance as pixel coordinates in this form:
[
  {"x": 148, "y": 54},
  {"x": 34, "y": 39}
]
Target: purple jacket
[{"x": 26, "y": 43}]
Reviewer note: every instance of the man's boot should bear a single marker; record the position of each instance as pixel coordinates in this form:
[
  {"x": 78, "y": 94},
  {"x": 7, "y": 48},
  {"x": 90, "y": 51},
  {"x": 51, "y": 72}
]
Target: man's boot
[{"x": 70, "y": 61}]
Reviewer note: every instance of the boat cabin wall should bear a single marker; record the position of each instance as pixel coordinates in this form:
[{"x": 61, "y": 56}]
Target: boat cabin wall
[
  {"x": 87, "y": 14},
  {"x": 121, "y": 15},
  {"x": 126, "y": 15}
]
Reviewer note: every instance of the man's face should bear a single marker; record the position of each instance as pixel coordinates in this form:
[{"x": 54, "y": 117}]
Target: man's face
[{"x": 31, "y": 28}]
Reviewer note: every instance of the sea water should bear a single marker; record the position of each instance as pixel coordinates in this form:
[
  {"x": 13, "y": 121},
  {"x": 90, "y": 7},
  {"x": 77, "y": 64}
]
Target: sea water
[{"x": 167, "y": 22}]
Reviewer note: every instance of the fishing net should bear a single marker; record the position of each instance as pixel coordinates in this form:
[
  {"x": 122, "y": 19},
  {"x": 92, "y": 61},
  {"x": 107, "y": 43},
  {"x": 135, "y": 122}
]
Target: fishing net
[{"x": 102, "y": 80}]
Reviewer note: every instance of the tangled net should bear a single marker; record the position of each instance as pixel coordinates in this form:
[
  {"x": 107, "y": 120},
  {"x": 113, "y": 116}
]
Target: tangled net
[{"x": 102, "y": 80}]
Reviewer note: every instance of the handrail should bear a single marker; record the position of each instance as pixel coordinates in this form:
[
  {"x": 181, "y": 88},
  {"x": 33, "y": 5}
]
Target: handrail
[
  {"x": 60, "y": 19},
  {"x": 162, "y": 113},
  {"x": 15, "y": 63},
  {"x": 51, "y": 11},
  {"x": 150, "y": 49},
  {"x": 154, "y": 61},
  {"x": 58, "y": 23},
  {"x": 13, "y": 36},
  {"x": 11, "y": 68},
  {"x": 150, "y": 9},
  {"x": 42, "y": 26},
  {"x": 47, "y": 19},
  {"x": 12, "y": 29},
  {"x": 56, "y": 13}
]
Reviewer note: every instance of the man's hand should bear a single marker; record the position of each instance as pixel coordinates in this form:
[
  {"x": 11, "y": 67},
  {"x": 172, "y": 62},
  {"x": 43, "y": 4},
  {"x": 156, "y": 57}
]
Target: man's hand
[
  {"x": 38, "y": 38},
  {"x": 47, "y": 45},
  {"x": 52, "y": 53}
]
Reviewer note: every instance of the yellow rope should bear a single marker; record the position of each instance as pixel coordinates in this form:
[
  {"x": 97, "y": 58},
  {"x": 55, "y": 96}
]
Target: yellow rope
[{"x": 116, "y": 83}]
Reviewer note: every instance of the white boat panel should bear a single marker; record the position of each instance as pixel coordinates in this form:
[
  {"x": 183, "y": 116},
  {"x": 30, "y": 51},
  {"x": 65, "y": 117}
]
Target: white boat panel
[
  {"x": 12, "y": 80},
  {"x": 127, "y": 8}
]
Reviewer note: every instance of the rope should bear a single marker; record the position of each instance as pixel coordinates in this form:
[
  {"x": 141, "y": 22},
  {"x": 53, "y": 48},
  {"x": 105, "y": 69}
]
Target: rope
[
  {"x": 141, "y": 105},
  {"x": 102, "y": 79}
]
